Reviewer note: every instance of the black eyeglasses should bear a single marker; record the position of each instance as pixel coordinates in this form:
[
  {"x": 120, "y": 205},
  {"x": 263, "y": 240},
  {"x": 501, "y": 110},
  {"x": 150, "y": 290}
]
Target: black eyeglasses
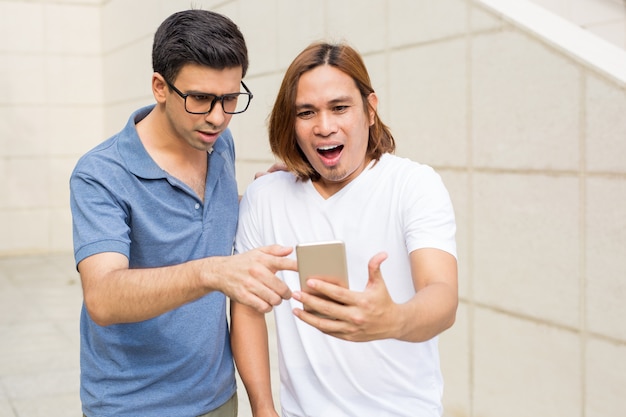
[{"x": 203, "y": 103}]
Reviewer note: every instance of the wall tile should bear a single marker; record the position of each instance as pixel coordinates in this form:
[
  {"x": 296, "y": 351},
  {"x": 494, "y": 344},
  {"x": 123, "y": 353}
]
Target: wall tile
[
  {"x": 85, "y": 2},
  {"x": 418, "y": 21},
  {"x": 481, "y": 20},
  {"x": 522, "y": 368},
  {"x": 171, "y": 6},
  {"x": 605, "y": 379},
  {"x": 60, "y": 230},
  {"x": 377, "y": 67},
  {"x": 73, "y": 130},
  {"x": 3, "y": 192},
  {"x": 428, "y": 103},
  {"x": 250, "y": 128},
  {"x": 121, "y": 25},
  {"x": 457, "y": 184},
  {"x": 15, "y": 35},
  {"x": 301, "y": 23},
  {"x": 525, "y": 104},
  {"x": 74, "y": 80},
  {"x": 606, "y": 263},
  {"x": 261, "y": 39},
  {"x": 128, "y": 72},
  {"x": 22, "y": 131},
  {"x": 116, "y": 115},
  {"x": 72, "y": 29},
  {"x": 26, "y": 231},
  {"x": 22, "y": 79},
  {"x": 233, "y": 9},
  {"x": 60, "y": 169},
  {"x": 367, "y": 31},
  {"x": 246, "y": 169},
  {"x": 606, "y": 126},
  {"x": 26, "y": 182},
  {"x": 526, "y": 245},
  {"x": 5, "y": 126},
  {"x": 455, "y": 357}
]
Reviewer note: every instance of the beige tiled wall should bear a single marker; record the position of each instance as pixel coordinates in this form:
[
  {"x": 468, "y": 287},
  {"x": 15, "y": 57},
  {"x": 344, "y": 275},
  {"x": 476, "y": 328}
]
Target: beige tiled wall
[
  {"x": 529, "y": 139},
  {"x": 50, "y": 112}
]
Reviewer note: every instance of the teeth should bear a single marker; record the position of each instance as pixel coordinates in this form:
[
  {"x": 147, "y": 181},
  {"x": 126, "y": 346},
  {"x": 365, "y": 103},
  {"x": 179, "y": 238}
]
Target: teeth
[{"x": 327, "y": 148}]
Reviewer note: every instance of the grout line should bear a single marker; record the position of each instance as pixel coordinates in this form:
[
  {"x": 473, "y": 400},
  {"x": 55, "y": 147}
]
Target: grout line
[
  {"x": 583, "y": 238},
  {"x": 470, "y": 205}
]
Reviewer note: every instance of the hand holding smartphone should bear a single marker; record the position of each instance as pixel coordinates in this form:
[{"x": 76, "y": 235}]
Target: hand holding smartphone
[{"x": 324, "y": 260}]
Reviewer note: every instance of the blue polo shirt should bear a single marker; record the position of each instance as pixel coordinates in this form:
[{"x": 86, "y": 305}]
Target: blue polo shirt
[{"x": 180, "y": 363}]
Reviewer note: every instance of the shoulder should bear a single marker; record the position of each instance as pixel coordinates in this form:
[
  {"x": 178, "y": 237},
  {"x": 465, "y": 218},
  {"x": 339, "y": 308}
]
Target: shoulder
[
  {"x": 273, "y": 181},
  {"x": 272, "y": 185},
  {"x": 103, "y": 156},
  {"x": 110, "y": 152},
  {"x": 400, "y": 168}
]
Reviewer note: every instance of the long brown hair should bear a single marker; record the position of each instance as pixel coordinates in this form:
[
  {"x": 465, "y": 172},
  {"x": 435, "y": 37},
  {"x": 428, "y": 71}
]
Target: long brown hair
[{"x": 282, "y": 119}]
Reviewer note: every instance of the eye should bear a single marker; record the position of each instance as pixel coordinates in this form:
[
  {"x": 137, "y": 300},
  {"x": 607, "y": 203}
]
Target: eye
[
  {"x": 202, "y": 97},
  {"x": 230, "y": 99},
  {"x": 305, "y": 114},
  {"x": 341, "y": 108}
]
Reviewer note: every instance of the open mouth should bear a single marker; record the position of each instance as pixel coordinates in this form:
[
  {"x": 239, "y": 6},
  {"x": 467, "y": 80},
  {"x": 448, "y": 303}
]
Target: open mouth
[
  {"x": 330, "y": 152},
  {"x": 208, "y": 136}
]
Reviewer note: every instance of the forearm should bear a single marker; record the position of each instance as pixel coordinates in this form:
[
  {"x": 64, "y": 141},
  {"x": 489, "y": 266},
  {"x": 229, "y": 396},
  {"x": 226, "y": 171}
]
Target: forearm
[
  {"x": 249, "y": 343},
  {"x": 116, "y": 294},
  {"x": 431, "y": 311},
  {"x": 433, "y": 307}
]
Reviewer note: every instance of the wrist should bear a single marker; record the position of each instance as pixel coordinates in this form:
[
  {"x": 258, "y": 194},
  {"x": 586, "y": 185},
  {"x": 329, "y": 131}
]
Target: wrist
[{"x": 205, "y": 271}]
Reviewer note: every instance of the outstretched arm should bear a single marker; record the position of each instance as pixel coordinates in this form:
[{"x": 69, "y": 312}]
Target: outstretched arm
[
  {"x": 114, "y": 293},
  {"x": 373, "y": 315}
]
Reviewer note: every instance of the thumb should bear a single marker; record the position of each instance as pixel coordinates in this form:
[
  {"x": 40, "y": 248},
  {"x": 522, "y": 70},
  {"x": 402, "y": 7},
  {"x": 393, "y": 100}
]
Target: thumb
[{"x": 373, "y": 267}]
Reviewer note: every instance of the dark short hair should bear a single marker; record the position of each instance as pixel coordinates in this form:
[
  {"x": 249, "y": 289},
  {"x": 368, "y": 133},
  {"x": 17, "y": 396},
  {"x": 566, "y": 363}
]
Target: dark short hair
[
  {"x": 198, "y": 37},
  {"x": 282, "y": 134}
]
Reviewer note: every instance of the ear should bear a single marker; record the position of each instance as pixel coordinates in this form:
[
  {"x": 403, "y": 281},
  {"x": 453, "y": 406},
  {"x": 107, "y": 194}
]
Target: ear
[
  {"x": 159, "y": 87},
  {"x": 372, "y": 100}
]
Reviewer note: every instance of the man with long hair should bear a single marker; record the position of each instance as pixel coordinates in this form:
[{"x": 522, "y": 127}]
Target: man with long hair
[{"x": 373, "y": 350}]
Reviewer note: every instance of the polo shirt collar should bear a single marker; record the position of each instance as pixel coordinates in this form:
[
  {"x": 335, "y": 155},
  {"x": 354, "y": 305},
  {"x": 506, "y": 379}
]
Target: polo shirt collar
[{"x": 137, "y": 159}]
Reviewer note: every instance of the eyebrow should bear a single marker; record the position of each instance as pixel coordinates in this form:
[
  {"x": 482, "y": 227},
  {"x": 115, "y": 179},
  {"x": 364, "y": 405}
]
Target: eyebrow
[
  {"x": 202, "y": 93},
  {"x": 333, "y": 102}
]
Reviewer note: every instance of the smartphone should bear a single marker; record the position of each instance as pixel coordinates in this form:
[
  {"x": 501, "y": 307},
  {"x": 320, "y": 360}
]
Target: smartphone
[{"x": 326, "y": 260}]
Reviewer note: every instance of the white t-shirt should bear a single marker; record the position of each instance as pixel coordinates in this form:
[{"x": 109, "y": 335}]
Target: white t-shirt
[{"x": 396, "y": 206}]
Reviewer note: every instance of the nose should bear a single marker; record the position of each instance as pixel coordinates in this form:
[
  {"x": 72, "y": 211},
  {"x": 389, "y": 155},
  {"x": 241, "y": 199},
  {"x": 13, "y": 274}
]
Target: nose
[
  {"x": 325, "y": 125},
  {"x": 216, "y": 116}
]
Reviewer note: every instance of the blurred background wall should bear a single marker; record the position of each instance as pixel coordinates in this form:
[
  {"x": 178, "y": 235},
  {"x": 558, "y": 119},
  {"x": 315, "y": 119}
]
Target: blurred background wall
[{"x": 520, "y": 106}]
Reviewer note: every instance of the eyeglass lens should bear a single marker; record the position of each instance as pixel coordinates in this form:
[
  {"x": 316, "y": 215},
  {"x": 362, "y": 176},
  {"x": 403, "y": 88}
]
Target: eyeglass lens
[{"x": 204, "y": 103}]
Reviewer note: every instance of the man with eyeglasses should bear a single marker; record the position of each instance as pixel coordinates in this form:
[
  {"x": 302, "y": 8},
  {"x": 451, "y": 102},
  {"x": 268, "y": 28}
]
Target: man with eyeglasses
[{"x": 155, "y": 213}]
